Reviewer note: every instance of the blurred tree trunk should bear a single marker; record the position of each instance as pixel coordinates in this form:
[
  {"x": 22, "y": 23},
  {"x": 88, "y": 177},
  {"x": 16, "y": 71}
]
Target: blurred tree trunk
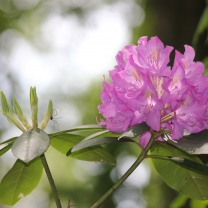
[{"x": 174, "y": 22}]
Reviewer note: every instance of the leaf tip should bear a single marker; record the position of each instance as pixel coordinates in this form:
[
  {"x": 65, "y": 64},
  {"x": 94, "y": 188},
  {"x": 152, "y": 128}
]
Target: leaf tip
[{"x": 69, "y": 152}]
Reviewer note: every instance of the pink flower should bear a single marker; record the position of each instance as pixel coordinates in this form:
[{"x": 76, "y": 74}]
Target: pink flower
[
  {"x": 144, "y": 88},
  {"x": 144, "y": 139},
  {"x": 152, "y": 57},
  {"x": 190, "y": 117}
]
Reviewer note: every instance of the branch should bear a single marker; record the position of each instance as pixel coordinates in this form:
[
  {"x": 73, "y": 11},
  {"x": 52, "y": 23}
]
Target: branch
[
  {"x": 51, "y": 181},
  {"x": 141, "y": 157}
]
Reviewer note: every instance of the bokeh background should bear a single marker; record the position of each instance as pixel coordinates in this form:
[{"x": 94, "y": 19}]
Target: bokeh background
[{"x": 64, "y": 48}]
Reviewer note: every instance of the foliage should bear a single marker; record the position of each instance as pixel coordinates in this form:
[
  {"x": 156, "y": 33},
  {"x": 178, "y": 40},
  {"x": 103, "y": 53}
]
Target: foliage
[
  {"x": 186, "y": 180},
  {"x": 21, "y": 179},
  {"x": 84, "y": 143},
  {"x": 33, "y": 143},
  {"x": 177, "y": 167}
]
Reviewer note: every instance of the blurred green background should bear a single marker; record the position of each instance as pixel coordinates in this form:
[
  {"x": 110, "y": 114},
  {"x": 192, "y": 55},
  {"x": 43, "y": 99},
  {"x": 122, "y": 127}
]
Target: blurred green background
[{"x": 64, "y": 47}]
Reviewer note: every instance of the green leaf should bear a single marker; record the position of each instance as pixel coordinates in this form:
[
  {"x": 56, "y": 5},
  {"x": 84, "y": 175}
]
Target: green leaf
[
  {"x": 85, "y": 132},
  {"x": 92, "y": 140},
  {"x": 6, "y": 145},
  {"x": 30, "y": 145},
  {"x": 188, "y": 182},
  {"x": 7, "y": 142},
  {"x": 5, "y": 148},
  {"x": 94, "y": 154},
  {"x": 205, "y": 62},
  {"x": 20, "y": 181},
  {"x": 195, "y": 166},
  {"x": 198, "y": 204},
  {"x": 90, "y": 126},
  {"x": 96, "y": 142},
  {"x": 179, "y": 201},
  {"x": 202, "y": 26},
  {"x": 135, "y": 130},
  {"x": 190, "y": 164},
  {"x": 105, "y": 133},
  {"x": 194, "y": 143},
  {"x": 87, "y": 129},
  {"x": 64, "y": 142}
]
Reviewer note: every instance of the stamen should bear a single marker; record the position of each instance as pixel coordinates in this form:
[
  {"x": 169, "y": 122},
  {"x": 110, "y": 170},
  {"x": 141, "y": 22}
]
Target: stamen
[{"x": 135, "y": 74}]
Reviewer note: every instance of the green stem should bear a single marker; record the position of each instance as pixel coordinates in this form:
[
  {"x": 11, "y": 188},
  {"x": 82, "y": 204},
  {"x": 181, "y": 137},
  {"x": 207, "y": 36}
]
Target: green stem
[
  {"x": 51, "y": 181},
  {"x": 158, "y": 157},
  {"x": 128, "y": 173}
]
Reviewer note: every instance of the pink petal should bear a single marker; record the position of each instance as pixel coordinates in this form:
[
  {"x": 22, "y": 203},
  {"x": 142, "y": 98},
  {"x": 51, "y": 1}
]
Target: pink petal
[{"x": 144, "y": 139}]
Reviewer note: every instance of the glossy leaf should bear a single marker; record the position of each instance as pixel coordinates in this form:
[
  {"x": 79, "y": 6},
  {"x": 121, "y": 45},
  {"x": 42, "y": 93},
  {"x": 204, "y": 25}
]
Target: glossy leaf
[
  {"x": 96, "y": 142},
  {"x": 5, "y": 148},
  {"x": 9, "y": 141},
  {"x": 105, "y": 137},
  {"x": 195, "y": 166},
  {"x": 105, "y": 133},
  {"x": 30, "y": 145},
  {"x": 94, "y": 154},
  {"x": 193, "y": 143},
  {"x": 85, "y": 132},
  {"x": 135, "y": 130},
  {"x": 64, "y": 142},
  {"x": 21, "y": 179},
  {"x": 6, "y": 145},
  {"x": 89, "y": 129},
  {"x": 191, "y": 183}
]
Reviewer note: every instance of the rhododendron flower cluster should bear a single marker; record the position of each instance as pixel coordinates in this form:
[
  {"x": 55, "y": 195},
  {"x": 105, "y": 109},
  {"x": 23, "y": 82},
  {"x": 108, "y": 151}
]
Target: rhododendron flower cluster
[{"x": 143, "y": 88}]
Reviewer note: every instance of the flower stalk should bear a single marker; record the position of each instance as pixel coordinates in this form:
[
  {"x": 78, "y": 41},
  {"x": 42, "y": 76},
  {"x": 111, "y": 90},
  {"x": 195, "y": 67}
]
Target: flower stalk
[
  {"x": 141, "y": 157},
  {"x": 51, "y": 181}
]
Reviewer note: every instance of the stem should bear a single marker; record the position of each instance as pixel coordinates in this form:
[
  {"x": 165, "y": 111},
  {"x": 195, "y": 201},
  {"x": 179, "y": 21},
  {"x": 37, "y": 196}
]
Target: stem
[
  {"x": 51, "y": 181},
  {"x": 129, "y": 171},
  {"x": 158, "y": 157}
]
